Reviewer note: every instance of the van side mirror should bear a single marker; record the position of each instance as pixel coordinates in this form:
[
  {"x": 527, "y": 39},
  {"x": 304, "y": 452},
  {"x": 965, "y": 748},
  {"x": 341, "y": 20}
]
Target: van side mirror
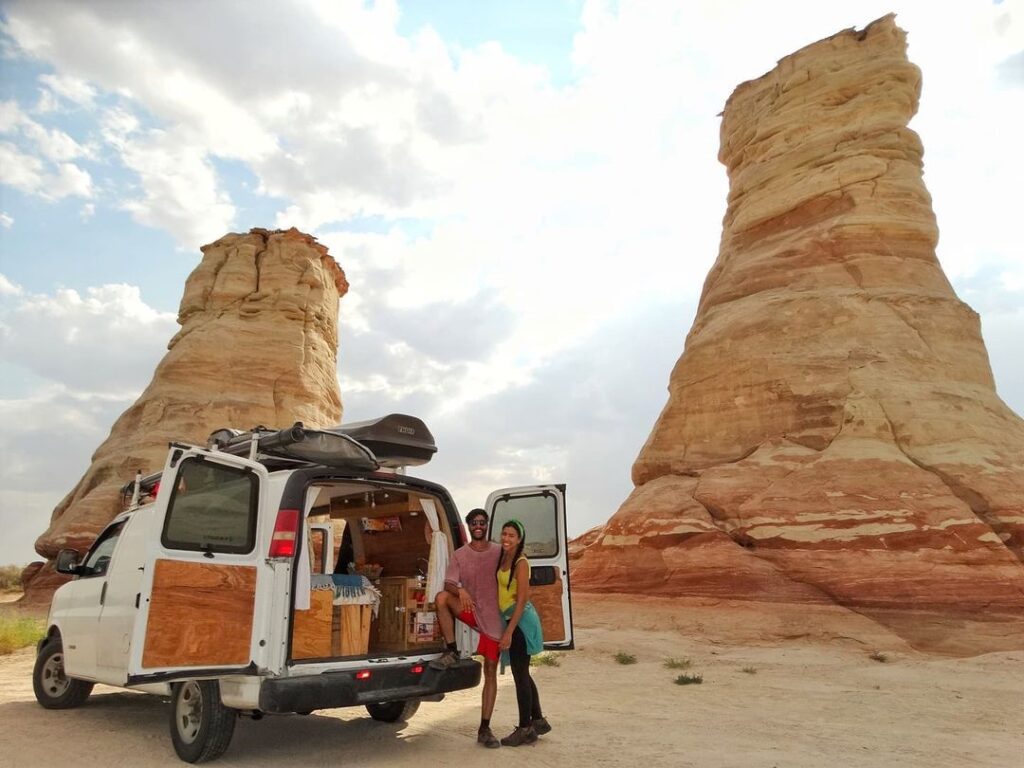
[{"x": 67, "y": 562}]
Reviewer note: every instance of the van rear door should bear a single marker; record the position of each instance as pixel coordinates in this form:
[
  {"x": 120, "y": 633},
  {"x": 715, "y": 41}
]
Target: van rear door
[
  {"x": 541, "y": 510},
  {"x": 198, "y": 607}
]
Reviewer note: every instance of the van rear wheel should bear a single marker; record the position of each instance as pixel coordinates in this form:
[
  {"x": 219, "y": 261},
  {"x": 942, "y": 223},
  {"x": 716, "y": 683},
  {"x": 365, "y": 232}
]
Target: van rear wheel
[
  {"x": 201, "y": 726},
  {"x": 393, "y": 711},
  {"x": 54, "y": 689}
]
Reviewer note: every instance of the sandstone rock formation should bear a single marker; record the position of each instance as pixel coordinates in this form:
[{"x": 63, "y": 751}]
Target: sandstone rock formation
[
  {"x": 832, "y": 431},
  {"x": 258, "y": 345}
]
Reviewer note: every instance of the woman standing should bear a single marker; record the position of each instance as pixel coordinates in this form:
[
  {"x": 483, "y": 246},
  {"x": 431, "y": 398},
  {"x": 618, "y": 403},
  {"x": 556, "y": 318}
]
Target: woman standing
[{"x": 522, "y": 637}]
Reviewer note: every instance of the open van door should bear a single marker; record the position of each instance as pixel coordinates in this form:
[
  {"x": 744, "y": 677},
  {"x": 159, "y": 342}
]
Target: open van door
[
  {"x": 541, "y": 510},
  {"x": 197, "y": 606}
]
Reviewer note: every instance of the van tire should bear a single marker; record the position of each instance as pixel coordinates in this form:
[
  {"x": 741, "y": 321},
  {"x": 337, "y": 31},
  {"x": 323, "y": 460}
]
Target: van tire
[
  {"x": 53, "y": 689},
  {"x": 393, "y": 711},
  {"x": 201, "y": 726}
]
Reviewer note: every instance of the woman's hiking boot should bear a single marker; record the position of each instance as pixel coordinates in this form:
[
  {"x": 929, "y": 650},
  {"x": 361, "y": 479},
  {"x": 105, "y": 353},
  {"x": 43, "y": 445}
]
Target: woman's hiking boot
[
  {"x": 541, "y": 725},
  {"x": 520, "y": 736},
  {"x": 487, "y": 738}
]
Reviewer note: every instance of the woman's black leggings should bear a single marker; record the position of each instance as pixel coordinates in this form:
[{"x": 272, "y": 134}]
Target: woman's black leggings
[{"x": 526, "y": 690}]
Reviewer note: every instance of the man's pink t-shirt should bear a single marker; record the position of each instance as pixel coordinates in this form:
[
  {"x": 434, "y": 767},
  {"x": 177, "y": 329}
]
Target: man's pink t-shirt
[{"x": 475, "y": 571}]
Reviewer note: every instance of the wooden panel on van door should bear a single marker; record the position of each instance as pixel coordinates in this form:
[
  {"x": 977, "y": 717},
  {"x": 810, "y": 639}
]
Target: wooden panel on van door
[
  {"x": 200, "y": 614},
  {"x": 547, "y": 600}
]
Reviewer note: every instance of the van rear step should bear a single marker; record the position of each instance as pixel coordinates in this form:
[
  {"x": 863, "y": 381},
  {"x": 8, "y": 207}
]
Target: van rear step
[{"x": 352, "y": 688}]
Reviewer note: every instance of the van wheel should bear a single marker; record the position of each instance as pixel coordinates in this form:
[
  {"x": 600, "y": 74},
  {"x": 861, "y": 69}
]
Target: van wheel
[
  {"x": 393, "y": 711},
  {"x": 54, "y": 689},
  {"x": 201, "y": 726}
]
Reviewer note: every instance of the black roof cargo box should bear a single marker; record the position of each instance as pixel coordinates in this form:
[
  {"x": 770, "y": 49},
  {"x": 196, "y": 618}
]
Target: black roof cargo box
[{"x": 397, "y": 440}]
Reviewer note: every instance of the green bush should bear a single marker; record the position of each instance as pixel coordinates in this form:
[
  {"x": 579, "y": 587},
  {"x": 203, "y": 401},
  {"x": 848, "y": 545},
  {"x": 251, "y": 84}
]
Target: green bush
[
  {"x": 625, "y": 658},
  {"x": 689, "y": 679},
  {"x": 17, "y": 632}
]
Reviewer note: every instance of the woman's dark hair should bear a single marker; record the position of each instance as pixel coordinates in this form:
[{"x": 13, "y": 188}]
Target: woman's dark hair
[{"x": 521, "y": 530}]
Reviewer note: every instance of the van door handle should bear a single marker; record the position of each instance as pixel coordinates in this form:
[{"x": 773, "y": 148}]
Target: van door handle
[
  {"x": 103, "y": 593},
  {"x": 137, "y": 594}
]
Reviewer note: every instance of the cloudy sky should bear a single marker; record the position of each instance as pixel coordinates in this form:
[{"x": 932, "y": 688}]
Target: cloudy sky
[{"x": 525, "y": 198}]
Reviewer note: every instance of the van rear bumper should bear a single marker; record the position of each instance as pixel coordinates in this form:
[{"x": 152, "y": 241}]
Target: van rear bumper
[{"x": 342, "y": 689}]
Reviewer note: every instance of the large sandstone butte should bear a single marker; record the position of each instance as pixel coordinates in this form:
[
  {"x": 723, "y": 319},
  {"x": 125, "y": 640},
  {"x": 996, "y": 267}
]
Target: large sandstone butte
[
  {"x": 258, "y": 345},
  {"x": 832, "y": 431}
]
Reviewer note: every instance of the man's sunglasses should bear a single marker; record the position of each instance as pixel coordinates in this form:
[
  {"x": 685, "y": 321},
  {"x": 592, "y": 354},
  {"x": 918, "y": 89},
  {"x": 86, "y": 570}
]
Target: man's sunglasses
[{"x": 477, "y": 523}]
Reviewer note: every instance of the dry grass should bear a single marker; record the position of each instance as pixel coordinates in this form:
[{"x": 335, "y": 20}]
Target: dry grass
[
  {"x": 19, "y": 631},
  {"x": 677, "y": 663},
  {"x": 624, "y": 658}
]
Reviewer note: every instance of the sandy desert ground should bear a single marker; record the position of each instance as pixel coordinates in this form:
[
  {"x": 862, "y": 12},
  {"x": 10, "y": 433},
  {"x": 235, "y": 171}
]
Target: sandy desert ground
[{"x": 816, "y": 698}]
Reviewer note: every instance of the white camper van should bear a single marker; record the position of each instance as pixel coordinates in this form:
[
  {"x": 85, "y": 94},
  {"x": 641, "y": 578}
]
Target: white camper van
[{"x": 282, "y": 572}]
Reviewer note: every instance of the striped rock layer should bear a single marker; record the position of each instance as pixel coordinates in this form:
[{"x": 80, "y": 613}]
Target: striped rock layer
[
  {"x": 832, "y": 431},
  {"x": 258, "y": 345}
]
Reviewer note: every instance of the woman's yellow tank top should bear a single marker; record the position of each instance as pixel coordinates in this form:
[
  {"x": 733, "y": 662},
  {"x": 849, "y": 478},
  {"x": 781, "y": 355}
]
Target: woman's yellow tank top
[{"x": 508, "y": 589}]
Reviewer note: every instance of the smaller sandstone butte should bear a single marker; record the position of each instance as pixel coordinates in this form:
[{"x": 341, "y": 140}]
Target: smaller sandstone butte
[
  {"x": 832, "y": 431},
  {"x": 258, "y": 346}
]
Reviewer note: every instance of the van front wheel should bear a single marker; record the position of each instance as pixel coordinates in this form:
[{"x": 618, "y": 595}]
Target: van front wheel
[
  {"x": 201, "y": 726},
  {"x": 393, "y": 711},
  {"x": 54, "y": 689}
]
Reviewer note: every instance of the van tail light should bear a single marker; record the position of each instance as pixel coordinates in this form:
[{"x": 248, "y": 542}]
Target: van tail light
[
  {"x": 155, "y": 490},
  {"x": 282, "y": 543},
  {"x": 363, "y": 674}
]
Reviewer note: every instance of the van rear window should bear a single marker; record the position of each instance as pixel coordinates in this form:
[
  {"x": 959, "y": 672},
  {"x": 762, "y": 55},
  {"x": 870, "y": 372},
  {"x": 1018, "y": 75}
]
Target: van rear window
[{"x": 212, "y": 509}]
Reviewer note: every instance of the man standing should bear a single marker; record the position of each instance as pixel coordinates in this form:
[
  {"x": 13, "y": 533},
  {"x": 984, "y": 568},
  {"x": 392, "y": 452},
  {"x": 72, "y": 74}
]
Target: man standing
[{"x": 470, "y": 594}]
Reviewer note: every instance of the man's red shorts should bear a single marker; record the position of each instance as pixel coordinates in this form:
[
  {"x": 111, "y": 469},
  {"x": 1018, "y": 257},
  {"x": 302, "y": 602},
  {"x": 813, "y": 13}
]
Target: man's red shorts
[{"x": 488, "y": 646}]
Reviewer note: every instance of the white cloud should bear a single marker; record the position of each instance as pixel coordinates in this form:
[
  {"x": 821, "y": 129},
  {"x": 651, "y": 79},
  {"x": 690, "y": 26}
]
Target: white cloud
[
  {"x": 74, "y": 89},
  {"x": 106, "y": 342},
  {"x": 6, "y": 221},
  {"x": 52, "y": 143},
  {"x": 180, "y": 190},
  {"x": 7, "y": 288}
]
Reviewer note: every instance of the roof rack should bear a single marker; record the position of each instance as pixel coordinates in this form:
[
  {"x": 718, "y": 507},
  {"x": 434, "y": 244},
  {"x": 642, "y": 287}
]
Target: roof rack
[{"x": 393, "y": 441}]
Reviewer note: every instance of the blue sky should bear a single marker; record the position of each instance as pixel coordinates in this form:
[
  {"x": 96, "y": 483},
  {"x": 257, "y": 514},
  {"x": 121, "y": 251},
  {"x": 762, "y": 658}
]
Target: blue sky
[{"x": 543, "y": 173}]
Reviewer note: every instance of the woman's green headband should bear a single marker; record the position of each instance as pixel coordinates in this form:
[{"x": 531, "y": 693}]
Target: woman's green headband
[{"x": 517, "y": 525}]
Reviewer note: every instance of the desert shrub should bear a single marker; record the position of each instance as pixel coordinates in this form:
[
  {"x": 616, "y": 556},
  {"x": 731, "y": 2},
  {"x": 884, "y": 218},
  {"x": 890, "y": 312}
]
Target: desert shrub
[
  {"x": 10, "y": 578},
  {"x": 544, "y": 660},
  {"x": 625, "y": 658},
  {"x": 17, "y": 632},
  {"x": 677, "y": 663},
  {"x": 689, "y": 679},
  {"x": 749, "y": 670},
  {"x": 879, "y": 656}
]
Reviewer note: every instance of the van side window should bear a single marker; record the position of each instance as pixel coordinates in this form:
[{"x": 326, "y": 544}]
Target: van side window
[
  {"x": 98, "y": 559},
  {"x": 212, "y": 508}
]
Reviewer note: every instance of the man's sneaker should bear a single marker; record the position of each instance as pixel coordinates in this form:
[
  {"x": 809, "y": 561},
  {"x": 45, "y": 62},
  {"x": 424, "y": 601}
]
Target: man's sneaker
[
  {"x": 486, "y": 737},
  {"x": 520, "y": 736},
  {"x": 447, "y": 659},
  {"x": 541, "y": 725}
]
